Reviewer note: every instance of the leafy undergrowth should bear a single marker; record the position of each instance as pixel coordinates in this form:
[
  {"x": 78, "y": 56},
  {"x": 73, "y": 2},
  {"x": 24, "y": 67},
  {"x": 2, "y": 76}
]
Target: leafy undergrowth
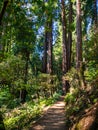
[
  {"x": 78, "y": 100},
  {"x": 21, "y": 116}
]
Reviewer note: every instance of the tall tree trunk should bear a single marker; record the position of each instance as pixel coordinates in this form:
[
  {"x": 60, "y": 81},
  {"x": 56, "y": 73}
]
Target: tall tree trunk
[
  {"x": 79, "y": 35},
  {"x": 47, "y": 58},
  {"x": 45, "y": 52},
  {"x": 70, "y": 35},
  {"x": 95, "y": 13},
  {"x": 64, "y": 47},
  {"x": 49, "y": 51},
  {"x": 1, "y": 16},
  {"x": 79, "y": 64},
  {"x": 64, "y": 39},
  {"x": 3, "y": 10}
]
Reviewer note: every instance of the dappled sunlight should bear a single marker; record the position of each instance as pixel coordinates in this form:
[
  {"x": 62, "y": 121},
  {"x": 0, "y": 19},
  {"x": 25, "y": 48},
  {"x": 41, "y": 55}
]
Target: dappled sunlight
[
  {"x": 39, "y": 127},
  {"x": 54, "y": 119}
]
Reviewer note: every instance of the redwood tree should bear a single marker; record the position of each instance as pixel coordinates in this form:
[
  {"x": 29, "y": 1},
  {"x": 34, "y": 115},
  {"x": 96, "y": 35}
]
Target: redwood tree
[
  {"x": 47, "y": 58},
  {"x": 3, "y": 10},
  {"x": 64, "y": 46},
  {"x": 44, "y": 69},
  {"x": 79, "y": 35},
  {"x": 69, "y": 34},
  {"x": 49, "y": 50},
  {"x": 95, "y": 12}
]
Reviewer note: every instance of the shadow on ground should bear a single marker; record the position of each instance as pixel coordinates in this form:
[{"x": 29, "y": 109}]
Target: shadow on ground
[{"x": 54, "y": 119}]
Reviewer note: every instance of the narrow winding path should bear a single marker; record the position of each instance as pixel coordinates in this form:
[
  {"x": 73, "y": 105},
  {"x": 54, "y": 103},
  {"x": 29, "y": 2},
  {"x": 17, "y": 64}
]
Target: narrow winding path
[{"x": 54, "y": 119}]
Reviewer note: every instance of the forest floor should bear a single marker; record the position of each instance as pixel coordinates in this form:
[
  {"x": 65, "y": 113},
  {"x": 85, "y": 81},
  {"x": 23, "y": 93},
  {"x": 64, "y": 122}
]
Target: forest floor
[{"x": 53, "y": 118}]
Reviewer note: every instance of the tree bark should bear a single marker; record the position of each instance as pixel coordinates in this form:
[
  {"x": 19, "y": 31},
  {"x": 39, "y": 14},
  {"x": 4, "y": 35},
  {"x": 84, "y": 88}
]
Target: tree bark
[
  {"x": 64, "y": 39},
  {"x": 64, "y": 47},
  {"x": 45, "y": 52},
  {"x": 3, "y": 10},
  {"x": 47, "y": 58},
  {"x": 70, "y": 35},
  {"x": 79, "y": 35},
  {"x": 1, "y": 16},
  {"x": 49, "y": 51},
  {"x": 95, "y": 13},
  {"x": 79, "y": 63}
]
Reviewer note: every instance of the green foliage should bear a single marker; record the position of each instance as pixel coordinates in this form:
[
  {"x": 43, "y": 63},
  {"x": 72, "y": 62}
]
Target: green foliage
[
  {"x": 77, "y": 100},
  {"x": 51, "y": 100},
  {"x": 92, "y": 60},
  {"x": 1, "y": 3},
  {"x": 70, "y": 98},
  {"x": 1, "y": 122},
  {"x": 91, "y": 73},
  {"x": 57, "y": 53},
  {"x": 91, "y": 46},
  {"x": 73, "y": 78},
  {"x": 35, "y": 63},
  {"x": 11, "y": 70},
  {"x": 43, "y": 85},
  {"x": 22, "y": 36},
  {"x": 90, "y": 56},
  {"x": 19, "y": 117},
  {"x": 73, "y": 1},
  {"x": 5, "y": 96}
]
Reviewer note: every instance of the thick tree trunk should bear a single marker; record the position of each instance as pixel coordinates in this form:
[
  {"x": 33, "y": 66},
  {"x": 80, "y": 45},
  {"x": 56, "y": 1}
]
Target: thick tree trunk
[
  {"x": 95, "y": 13},
  {"x": 79, "y": 36},
  {"x": 45, "y": 52},
  {"x": 79, "y": 63},
  {"x": 1, "y": 16},
  {"x": 64, "y": 40},
  {"x": 23, "y": 94},
  {"x": 47, "y": 58},
  {"x": 70, "y": 35},
  {"x": 64, "y": 47},
  {"x": 49, "y": 51},
  {"x": 3, "y": 10}
]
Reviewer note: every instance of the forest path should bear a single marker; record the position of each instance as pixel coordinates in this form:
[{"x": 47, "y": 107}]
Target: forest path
[{"x": 53, "y": 119}]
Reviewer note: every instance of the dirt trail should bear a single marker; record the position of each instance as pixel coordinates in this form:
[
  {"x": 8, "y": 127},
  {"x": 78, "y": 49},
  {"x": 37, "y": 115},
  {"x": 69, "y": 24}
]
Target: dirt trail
[{"x": 54, "y": 119}]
